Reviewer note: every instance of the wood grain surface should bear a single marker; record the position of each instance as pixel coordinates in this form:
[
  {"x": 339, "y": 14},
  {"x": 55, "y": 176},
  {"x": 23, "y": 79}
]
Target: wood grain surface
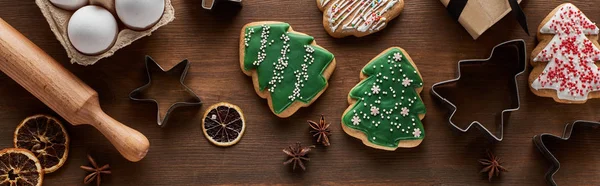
[{"x": 180, "y": 155}]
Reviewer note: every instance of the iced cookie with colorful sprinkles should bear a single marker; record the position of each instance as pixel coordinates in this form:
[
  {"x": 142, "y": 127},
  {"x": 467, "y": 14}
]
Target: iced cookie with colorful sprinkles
[
  {"x": 386, "y": 109},
  {"x": 359, "y": 18},
  {"x": 288, "y": 68},
  {"x": 565, "y": 60}
]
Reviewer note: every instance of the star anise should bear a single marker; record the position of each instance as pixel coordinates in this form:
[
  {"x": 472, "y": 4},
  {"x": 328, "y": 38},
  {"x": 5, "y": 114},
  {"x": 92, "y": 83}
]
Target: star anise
[
  {"x": 492, "y": 165},
  {"x": 95, "y": 170},
  {"x": 320, "y": 131},
  {"x": 297, "y": 154}
]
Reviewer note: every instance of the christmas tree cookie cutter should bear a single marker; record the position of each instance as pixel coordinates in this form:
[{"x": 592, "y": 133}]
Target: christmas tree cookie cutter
[
  {"x": 538, "y": 140},
  {"x": 182, "y": 67},
  {"x": 209, "y": 4},
  {"x": 521, "y": 63}
]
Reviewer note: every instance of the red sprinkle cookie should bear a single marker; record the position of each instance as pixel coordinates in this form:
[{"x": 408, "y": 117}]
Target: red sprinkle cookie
[{"x": 565, "y": 59}]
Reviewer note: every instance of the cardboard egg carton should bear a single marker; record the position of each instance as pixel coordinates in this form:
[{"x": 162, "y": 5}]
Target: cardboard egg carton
[{"x": 58, "y": 19}]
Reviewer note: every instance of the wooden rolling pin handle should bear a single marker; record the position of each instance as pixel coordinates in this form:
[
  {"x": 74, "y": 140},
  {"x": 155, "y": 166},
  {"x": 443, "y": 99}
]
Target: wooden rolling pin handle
[
  {"x": 64, "y": 93},
  {"x": 132, "y": 144}
]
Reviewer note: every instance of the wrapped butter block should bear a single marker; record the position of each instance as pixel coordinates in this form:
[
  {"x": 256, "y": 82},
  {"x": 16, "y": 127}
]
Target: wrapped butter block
[{"x": 476, "y": 16}]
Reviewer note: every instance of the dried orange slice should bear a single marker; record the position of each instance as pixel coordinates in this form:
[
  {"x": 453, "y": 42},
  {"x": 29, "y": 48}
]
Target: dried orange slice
[
  {"x": 20, "y": 167},
  {"x": 223, "y": 124},
  {"x": 46, "y": 137}
]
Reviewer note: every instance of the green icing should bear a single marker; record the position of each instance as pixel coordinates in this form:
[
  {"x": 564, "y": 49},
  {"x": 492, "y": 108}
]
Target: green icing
[
  {"x": 288, "y": 66},
  {"x": 381, "y": 99}
]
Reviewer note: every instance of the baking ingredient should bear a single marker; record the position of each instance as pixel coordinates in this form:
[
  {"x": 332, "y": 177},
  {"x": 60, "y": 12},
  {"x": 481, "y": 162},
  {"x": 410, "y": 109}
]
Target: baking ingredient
[
  {"x": 140, "y": 14},
  {"x": 63, "y": 92},
  {"x": 69, "y": 4},
  {"x": 106, "y": 4},
  {"x": 223, "y": 124},
  {"x": 46, "y": 137},
  {"x": 92, "y": 30},
  {"x": 95, "y": 171},
  {"x": 320, "y": 131},
  {"x": 20, "y": 167},
  {"x": 297, "y": 153},
  {"x": 492, "y": 165}
]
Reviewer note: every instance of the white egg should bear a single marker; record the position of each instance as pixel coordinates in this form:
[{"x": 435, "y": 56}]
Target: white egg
[
  {"x": 69, "y": 4},
  {"x": 92, "y": 30},
  {"x": 139, "y": 14}
]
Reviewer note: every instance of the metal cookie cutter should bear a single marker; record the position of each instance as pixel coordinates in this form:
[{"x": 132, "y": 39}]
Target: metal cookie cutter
[
  {"x": 209, "y": 4},
  {"x": 538, "y": 140},
  {"x": 182, "y": 66},
  {"x": 516, "y": 103}
]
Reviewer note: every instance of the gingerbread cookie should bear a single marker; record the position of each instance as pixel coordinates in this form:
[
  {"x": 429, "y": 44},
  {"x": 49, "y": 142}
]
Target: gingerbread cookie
[
  {"x": 342, "y": 18},
  {"x": 564, "y": 63},
  {"x": 288, "y": 68},
  {"x": 385, "y": 106}
]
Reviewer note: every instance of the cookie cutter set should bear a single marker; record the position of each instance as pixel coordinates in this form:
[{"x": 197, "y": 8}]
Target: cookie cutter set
[
  {"x": 209, "y": 4},
  {"x": 516, "y": 103},
  {"x": 538, "y": 140},
  {"x": 181, "y": 66}
]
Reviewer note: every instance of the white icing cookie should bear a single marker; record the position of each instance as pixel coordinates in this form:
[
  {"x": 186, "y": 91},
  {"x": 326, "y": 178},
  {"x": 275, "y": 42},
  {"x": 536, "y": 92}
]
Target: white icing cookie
[
  {"x": 565, "y": 59},
  {"x": 342, "y": 18}
]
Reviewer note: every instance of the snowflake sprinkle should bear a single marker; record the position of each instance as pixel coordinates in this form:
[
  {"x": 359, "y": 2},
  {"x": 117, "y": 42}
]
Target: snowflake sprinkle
[
  {"x": 406, "y": 82},
  {"x": 374, "y": 111},
  {"x": 375, "y": 89},
  {"x": 404, "y": 111},
  {"x": 355, "y": 120},
  {"x": 417, "y": 133},
  {"x": 397, "y": 56}
]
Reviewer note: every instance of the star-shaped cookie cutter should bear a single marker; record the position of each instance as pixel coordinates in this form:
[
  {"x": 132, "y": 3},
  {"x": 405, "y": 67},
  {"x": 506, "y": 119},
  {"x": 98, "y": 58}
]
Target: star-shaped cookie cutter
[
  {"x": 209, "y": 4},
  {"x": 538, "y": 140},
  {"x": 516, "y": 103},
  {"x": 181, "y": 66}
]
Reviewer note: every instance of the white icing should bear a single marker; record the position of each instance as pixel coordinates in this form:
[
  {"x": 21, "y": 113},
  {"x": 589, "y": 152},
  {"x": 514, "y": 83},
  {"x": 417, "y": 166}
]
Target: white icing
[
  {"x": 572, "y": 74},
  {"x": 363, "y": 15},
  {"x": 546, "y": 29}
]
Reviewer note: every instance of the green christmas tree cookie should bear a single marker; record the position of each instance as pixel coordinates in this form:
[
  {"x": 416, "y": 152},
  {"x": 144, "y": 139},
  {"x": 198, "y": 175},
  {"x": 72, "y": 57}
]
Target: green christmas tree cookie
[
  {"x": 288, "y": 68},
  {"x": 385, "y": 107}
]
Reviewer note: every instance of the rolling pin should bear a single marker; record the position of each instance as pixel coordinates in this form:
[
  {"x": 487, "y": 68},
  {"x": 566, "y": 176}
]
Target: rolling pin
[{"x": 64, "y": 93}]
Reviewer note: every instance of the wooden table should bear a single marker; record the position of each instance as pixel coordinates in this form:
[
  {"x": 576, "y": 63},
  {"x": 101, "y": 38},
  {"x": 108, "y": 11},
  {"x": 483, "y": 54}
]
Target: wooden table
[{"x": 180, "y": 155}]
